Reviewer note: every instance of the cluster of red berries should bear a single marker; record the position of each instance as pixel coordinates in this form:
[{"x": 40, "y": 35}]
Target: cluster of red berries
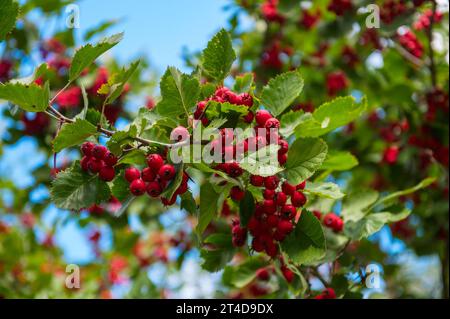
[
  {"x": 340, "y": 7},
  {"x": 222, "y": 95},
  {"x": 328, "y": 293},
  {"x": 269, "y": 10},
  {"x": 411, "y": 43},
  {"x": 274, "y": 218},
  {"x": 35, "y": 123},
  {"x": 154, "y": 179},
  {"x": 69, "y": 98},
  {"x": 272, "y": 55},
  {"x": 99, "y": 160},
  {"x": 336, "y": 81},
  {"x": 5, "y": 70},
  {"x": 424, "y": 20},
  {"x": 330, "y": 220},
  {"x": 310, "y": 19},
  {"x": 391, "y": 9}
]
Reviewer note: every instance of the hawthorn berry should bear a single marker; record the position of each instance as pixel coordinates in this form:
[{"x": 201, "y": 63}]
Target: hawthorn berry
[
  {"x": 137, "y": 187},
  {"x": 155, "y": 161},
  {"x": 285, "y": 227},
  {"x": 107, "y": 173},
  {"x": 262, "y": 116},
  {"x": 272, "y": 220},
  {"x": 281, "y": 198},
  {"x": 99, "y": 151},
  {"x": 301, "y": 186},
  {"x": 256, "y": 180},
  {"x": 110, "y": 159},
  {"x": 271, "y": 182},
  {"x": 287, "y": 274},
  {"x": 148, "y": 175},
  {"x": 132, "y": 174},
  {"x": 179, "y": 134},
  {"x": 239, "y": 236},
  {"x": 257, "y": 245},
  {"x": 235, "y": 170},
  {"x": 237, "y": 193},
  {"x": 263, "y": 274},
  {"x": 95, "y": 165},
  {"x": 269, "y": 194},
  {"x": 270, "y": 207},
  {"x": 271, "y": 249},
  {"x": 288, "y": 189},
  {"x": 282, "y": 159},
  {"x": 87, "y": 148},
  {"x": 246, "y": 99},
  {"x": 167, "y": 172},
  {"x": 272, "y": 123},
  {"x": 284, "y": 147},
  {"x": 288, "y": 212},
  {"x": 154, "y": 189},
  {"x": 169, "y": 202},
  {"x": 249, "y": 117},
  {"x": 84, "y": 163},
  {"x": 298, "y": 199}
]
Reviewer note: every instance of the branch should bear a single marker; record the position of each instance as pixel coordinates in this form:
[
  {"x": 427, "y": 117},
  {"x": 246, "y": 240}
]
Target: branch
[{"x": 429, "y": 32}]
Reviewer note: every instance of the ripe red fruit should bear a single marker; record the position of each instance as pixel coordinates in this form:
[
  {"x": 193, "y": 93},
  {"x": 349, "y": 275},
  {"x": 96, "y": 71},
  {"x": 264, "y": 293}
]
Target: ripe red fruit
[
  {"x": 288, "y": 189},
  {"x": 281, "y": 198},
  {"x": 154, "y": 189},
  {"x": 257, "y": 245},
  {"x": 298, "y": 199},
  {"x": 84, "y": 163},
  {"x": 179, "y": 134},
  {"x": 288, "y": 212},
  {"x": 317, "y": 214},
  {"x": 99, "y": 151},
  {"x": 263, "y": 274},
  {"x": 132, "y": 174},
  {"x": 262, "y": 116},
  {"x": 285, "y": 227},
  {"x": 169, "y": 202},
  {"x": 256, "y": 180},
  {"x": 279, "y": 236},
  {"x": 237, "y": 194},
  {"x": 271, "y": 182},
  {"x": 110, "y": 159},
  {"x": 253, "y": 226},
  {"x": 137, "y": 187},
  {"x": 287, "y": 274},
  {"x": 272, "y": 123},
  {"x": 301, "y": 186},
  {"x": 284, "y": 147},
  {"x": 271, "y": 249},
  {"x": 246, "y": 99},
  {"x": 269, "y": 194},
  {"x": 155, "y": 161},
  {"x": 182, "y": 189},
  {"x": 272, "y": 220},
  {"x": 107, "y": 173},
  {"x": 282, "y": 159},
  {"x": 87, "y": 148},
  {"x": 249, "y": 117},
  {"x": 235, "y": 170},
  {"x": 239, "y": 236},
  {"x": 167, "y": 172},
  {"x": 95, "y": 165},
  {"x": 270, "y": 207},
  {"x": 148, "y": 175}
]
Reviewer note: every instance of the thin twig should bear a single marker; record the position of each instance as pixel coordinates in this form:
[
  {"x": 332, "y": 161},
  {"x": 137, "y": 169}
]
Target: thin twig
[
  {"x": 60, "y": 91},
  {"x": 429, "y": 32}
]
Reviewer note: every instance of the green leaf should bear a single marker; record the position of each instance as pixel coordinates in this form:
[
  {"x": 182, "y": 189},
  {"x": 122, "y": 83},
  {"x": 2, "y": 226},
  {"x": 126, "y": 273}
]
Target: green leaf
[
  {"x": 87, "y": 54},
  {"x": 263, "y": 162},
  {"x": 355, "y": 204},
  {"x": 135, "y": 157},
  {"x": 74, "y": 189},
  {"x": 304, "y": 158},
  {"x": 331, "y": 116},
  {"x": 372, "y": 223},
  {"x": 306, "y": 243},
  {"x": 281, "y": 92},
  {"x": 246, "y": 208},
  {"x": 290, "y": 121},
  {"x": 243, "y": 83},
  {"x": 121, "y": 187},
  {"x": 72, "y": 134},
  {"x": 339, "y": 161},
  {"x": 243, "y": 274},
  {"x": 99, "y": 29},
  {"x": 120, "y": 139},
  {"x": 208, "y": 207},
  {"x": 218, "y": 57},
  {"x": 30, "y": 98},
  {"x": 114, "y": 88},
  {"x": 179, "y": 94},
  {"x": 327, "y": 190},
  {"x": 216, "y": 258},
  {"x": 188, "y": 203},
  {"x": 216, "y": 109},
  {"x": 9, "y": 10}
]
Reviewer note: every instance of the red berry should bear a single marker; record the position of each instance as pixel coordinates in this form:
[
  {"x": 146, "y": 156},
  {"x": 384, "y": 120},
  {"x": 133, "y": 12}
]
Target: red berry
[
  {"x": 169, "y": 202},
  {"x": 246, "y": 99},
  {"x": 110, "y": 159},
  {"x": 154, "y": 189},
  {"x": 132, "y": 174},
  {"x": 257, "y": 245},
  {"x": 288, "y": 189},
  {"x": 281, "y": 198},
  {"x": 288, "y": 212},
  {"x": 235, "y": 170},
  {"x": 107, "y": 174},
  {"x": 263, "y": 274},
  {"x": 271, "y": 182},
  {"x": 237, "y": 194},
  {"x": 182, "y": 189},
  {"x": 84, "y": 163},
  {"x": 179, "y": 134},
  {"x": 279, "y": 236},
  {"x": 317, "y": 214},
  {"x": 298, "y": 199},
  {"x": 167, "y": 172},
  {"x": 87, "y": 148},
  {"x": 282, "y": 159},
  {"x": 284, "y": 147},
  {"x": 272, "y": 123},
  {"x": 99, "y": 151},
  {"x": 137, "y": 187},
  {"x": 155, "y": 161},
  {"x": 249, "y": 117},
  {"x": 262, "y": 117},
  {"x": 269, "y": 206},
  {"x": 288, "y": 274},
  {"x": 254, "y": 226},
  {"x": 95, "y": 165},
  {"x": 148, "y": 175},
  {"x": 301, "y": 186},
  {"x": 271, "y": 249},
  {"x": 269, "y": 194},
  {"x": 285, "y": 227},
  {"x": 239, "y": 236},
  {"x": 272, "y": 221},
  {"x": 256, "y": 180}
]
